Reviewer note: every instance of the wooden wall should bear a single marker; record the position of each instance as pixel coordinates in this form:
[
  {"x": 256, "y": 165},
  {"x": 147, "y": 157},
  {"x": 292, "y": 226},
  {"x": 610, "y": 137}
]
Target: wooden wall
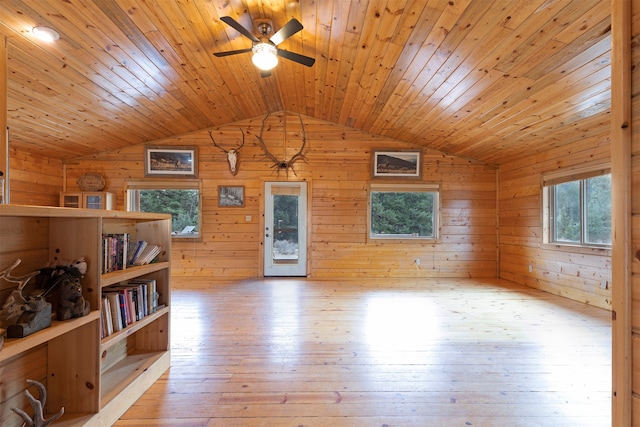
[
  {"x": 575, "y": 275},
  {"x": 338, "y": 170},
  {"x": 35, "y": 179},
  {"x": 635, "y": 207}
]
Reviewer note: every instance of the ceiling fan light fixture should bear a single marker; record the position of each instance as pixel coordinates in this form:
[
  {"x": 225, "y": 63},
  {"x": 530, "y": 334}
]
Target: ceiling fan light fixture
[
  {"x": 45, "y": 33},
  {"x": 265, "y": 56}
]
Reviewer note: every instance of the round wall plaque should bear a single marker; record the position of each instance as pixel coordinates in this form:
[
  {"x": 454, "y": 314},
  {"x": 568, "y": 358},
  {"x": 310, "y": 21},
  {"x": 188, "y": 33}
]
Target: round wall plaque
[{"x": 91, "y": 182}]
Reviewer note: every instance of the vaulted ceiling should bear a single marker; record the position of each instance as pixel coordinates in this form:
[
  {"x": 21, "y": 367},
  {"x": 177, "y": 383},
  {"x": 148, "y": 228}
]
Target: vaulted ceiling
[{"x": 491, "y": 80}]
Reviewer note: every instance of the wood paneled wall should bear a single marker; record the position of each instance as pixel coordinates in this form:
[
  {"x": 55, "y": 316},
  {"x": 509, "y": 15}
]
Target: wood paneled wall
[
  {"x": 338, "y": 169},
  {"x": 573, "y": 275},
  {"x": 635, "y": 207},
  {"x": 35, "y": 179}
]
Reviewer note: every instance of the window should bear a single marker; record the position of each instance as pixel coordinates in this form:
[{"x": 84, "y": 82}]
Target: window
[
  {"x": 577, "y": 208},
  {"x": 181, "y": 199},
  {"x": 403, "y": 211}
]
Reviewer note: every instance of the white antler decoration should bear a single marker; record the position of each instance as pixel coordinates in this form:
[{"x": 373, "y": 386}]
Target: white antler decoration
[
  {"x": 16, "y": 303},
  {"x": 232, "y": 155},
  {"x": 283, "y": 164},
  {"x": 38, "y": 408}
]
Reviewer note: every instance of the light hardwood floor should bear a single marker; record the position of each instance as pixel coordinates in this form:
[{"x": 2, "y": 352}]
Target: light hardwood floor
[{"x": 443, "y": 353}]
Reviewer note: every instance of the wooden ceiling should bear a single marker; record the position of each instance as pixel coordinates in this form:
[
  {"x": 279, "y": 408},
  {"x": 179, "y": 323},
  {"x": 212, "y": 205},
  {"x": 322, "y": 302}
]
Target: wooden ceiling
[{"x": 491, "y": 80}]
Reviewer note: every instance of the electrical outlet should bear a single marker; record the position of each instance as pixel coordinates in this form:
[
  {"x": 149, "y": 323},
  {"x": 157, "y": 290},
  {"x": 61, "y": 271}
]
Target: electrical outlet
[
  {"x": 530, "y": 268},
  {"x": 604, "y": 284},
  {"x": 417, "y": 261}
]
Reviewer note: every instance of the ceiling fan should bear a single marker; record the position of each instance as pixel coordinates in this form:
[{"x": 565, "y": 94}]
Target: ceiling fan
[{"x": 265, "y": 50}]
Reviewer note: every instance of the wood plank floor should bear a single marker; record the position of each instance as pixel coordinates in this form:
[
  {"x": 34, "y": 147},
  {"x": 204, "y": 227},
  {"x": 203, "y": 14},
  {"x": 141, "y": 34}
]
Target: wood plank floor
[{"x": 443, "y": 353}]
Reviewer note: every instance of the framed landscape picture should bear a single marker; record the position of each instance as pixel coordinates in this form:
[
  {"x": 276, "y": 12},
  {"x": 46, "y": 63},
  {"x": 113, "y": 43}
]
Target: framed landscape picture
[
  {"x": 170, "y": 161},
  {"x": 403, "y": 164},
  {"x": 231, "y": 196}
]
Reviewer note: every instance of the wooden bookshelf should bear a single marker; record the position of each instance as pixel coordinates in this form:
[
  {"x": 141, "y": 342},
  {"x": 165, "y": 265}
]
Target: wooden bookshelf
[{"x": 95, "y": 379}]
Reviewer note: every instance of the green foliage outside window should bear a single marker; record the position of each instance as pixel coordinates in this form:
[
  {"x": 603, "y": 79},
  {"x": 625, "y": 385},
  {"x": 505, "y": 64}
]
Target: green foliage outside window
[
  {"x": 582, "y": 211},
  {"x": 567, "y": 212},
  {"x": 285, "y": 218},
  {"x": 403, "y": 214},
  {"x": 181, "y": 204},
  {"x": 598, "y": 195}
]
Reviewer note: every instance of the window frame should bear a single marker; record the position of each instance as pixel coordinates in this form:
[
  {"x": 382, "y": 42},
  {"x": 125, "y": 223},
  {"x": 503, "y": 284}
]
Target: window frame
[
  {"x": 187, "y": 184},
  {"x": 549, "y": 181},
  {"x": 398, "y": 188}
]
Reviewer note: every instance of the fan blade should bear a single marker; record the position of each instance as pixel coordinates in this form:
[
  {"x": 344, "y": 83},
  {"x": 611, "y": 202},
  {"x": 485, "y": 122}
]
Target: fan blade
[
  {"x": 290, "y": 28},
  {"x": 239, "y": 28},
  {"x": 301, "y": 59},
  {"x": 232, "y": 52}
]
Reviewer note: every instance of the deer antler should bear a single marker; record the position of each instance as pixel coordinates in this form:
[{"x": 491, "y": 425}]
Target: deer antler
[
  {"x": 216, "y": 145},
  {"x": 223, "y": 150},
  {"x": 299, "y": 154},
  {"x": 22, "y": 280},
  {"x": 232, "y": 155},
  {"x": 38, "y": 408},
  {"x": 264, "y": 147},
  {"x": 283, "y": 164}
]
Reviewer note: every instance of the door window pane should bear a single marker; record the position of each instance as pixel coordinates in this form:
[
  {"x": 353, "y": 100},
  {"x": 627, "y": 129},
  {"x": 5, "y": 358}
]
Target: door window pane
[{"x": 285, "y": 228}]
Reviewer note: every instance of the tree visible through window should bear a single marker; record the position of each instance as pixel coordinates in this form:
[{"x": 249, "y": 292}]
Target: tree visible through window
[
  {"x": 181, "y": 201},
  {"x": 580, "y": 211},
  {"x": 403, "y": 211},
  {"x": 181, "y": 204}
]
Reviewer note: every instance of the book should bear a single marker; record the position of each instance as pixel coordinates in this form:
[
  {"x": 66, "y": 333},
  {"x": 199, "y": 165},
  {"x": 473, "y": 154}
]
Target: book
[
  {"x": 105, "y": 318},
  {"x": 150, "y": 295},
  {"x": 134, "y": 302},
  {"x": 115, "y": 250},
  {"x": 136, "y": 251},
  {"x": 149, "y": 253},
  {"x": 114, "y": 305}
]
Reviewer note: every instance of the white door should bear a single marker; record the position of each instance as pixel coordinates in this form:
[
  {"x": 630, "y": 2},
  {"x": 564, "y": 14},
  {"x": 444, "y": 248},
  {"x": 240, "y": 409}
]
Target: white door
[{"x": 285, "y": 234}]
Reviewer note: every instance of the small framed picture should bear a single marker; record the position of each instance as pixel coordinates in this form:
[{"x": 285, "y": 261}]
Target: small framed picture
[
  {"x": 394, "y": 164},
  {"x": 231, "y": 196},
  {"x": 170, "y": 161}
]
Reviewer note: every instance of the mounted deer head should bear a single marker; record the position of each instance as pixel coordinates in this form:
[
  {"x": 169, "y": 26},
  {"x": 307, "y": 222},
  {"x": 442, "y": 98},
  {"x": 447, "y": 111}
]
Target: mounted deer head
[
  {"x": 283, "y": 164},
  {"x": 232, "y": 155}
]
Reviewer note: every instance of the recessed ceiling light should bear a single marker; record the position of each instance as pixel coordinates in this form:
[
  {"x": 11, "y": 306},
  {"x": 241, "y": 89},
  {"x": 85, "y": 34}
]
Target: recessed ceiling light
[{"x": 45, "y": 33}]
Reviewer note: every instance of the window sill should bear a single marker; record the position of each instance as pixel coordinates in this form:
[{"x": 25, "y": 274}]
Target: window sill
[
  {"x": 402, "y": 239},
  {"x": 592, "y": 250}
]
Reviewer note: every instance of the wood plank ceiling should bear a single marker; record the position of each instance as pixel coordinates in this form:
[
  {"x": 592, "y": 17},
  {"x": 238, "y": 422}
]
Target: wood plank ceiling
[{"x": 491, "y": 80}]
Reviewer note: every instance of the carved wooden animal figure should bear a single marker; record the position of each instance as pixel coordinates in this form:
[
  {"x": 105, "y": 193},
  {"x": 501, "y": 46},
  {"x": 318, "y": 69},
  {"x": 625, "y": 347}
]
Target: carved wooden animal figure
[
  {"x": 232, "y": 154},
  {"x": 71, "y": 304}
]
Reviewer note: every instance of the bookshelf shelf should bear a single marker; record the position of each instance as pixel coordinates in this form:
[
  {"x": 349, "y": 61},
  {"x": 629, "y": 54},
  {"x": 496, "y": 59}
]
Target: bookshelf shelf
[
  {"x": 16, "y": 346},
  {"x": 119, "y": 377},
  {"x": 132, "y": 272},
  {"x": 115, "y": 338},
  {"x": 96, "y": 379}
]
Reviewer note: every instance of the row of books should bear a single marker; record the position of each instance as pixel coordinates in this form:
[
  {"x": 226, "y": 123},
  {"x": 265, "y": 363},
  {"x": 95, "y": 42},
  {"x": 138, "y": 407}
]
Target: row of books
[
  {"x": 144, "y": 253},
  {"x": 127, "y": 303},
  {"x": 119, "y": 252}
]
